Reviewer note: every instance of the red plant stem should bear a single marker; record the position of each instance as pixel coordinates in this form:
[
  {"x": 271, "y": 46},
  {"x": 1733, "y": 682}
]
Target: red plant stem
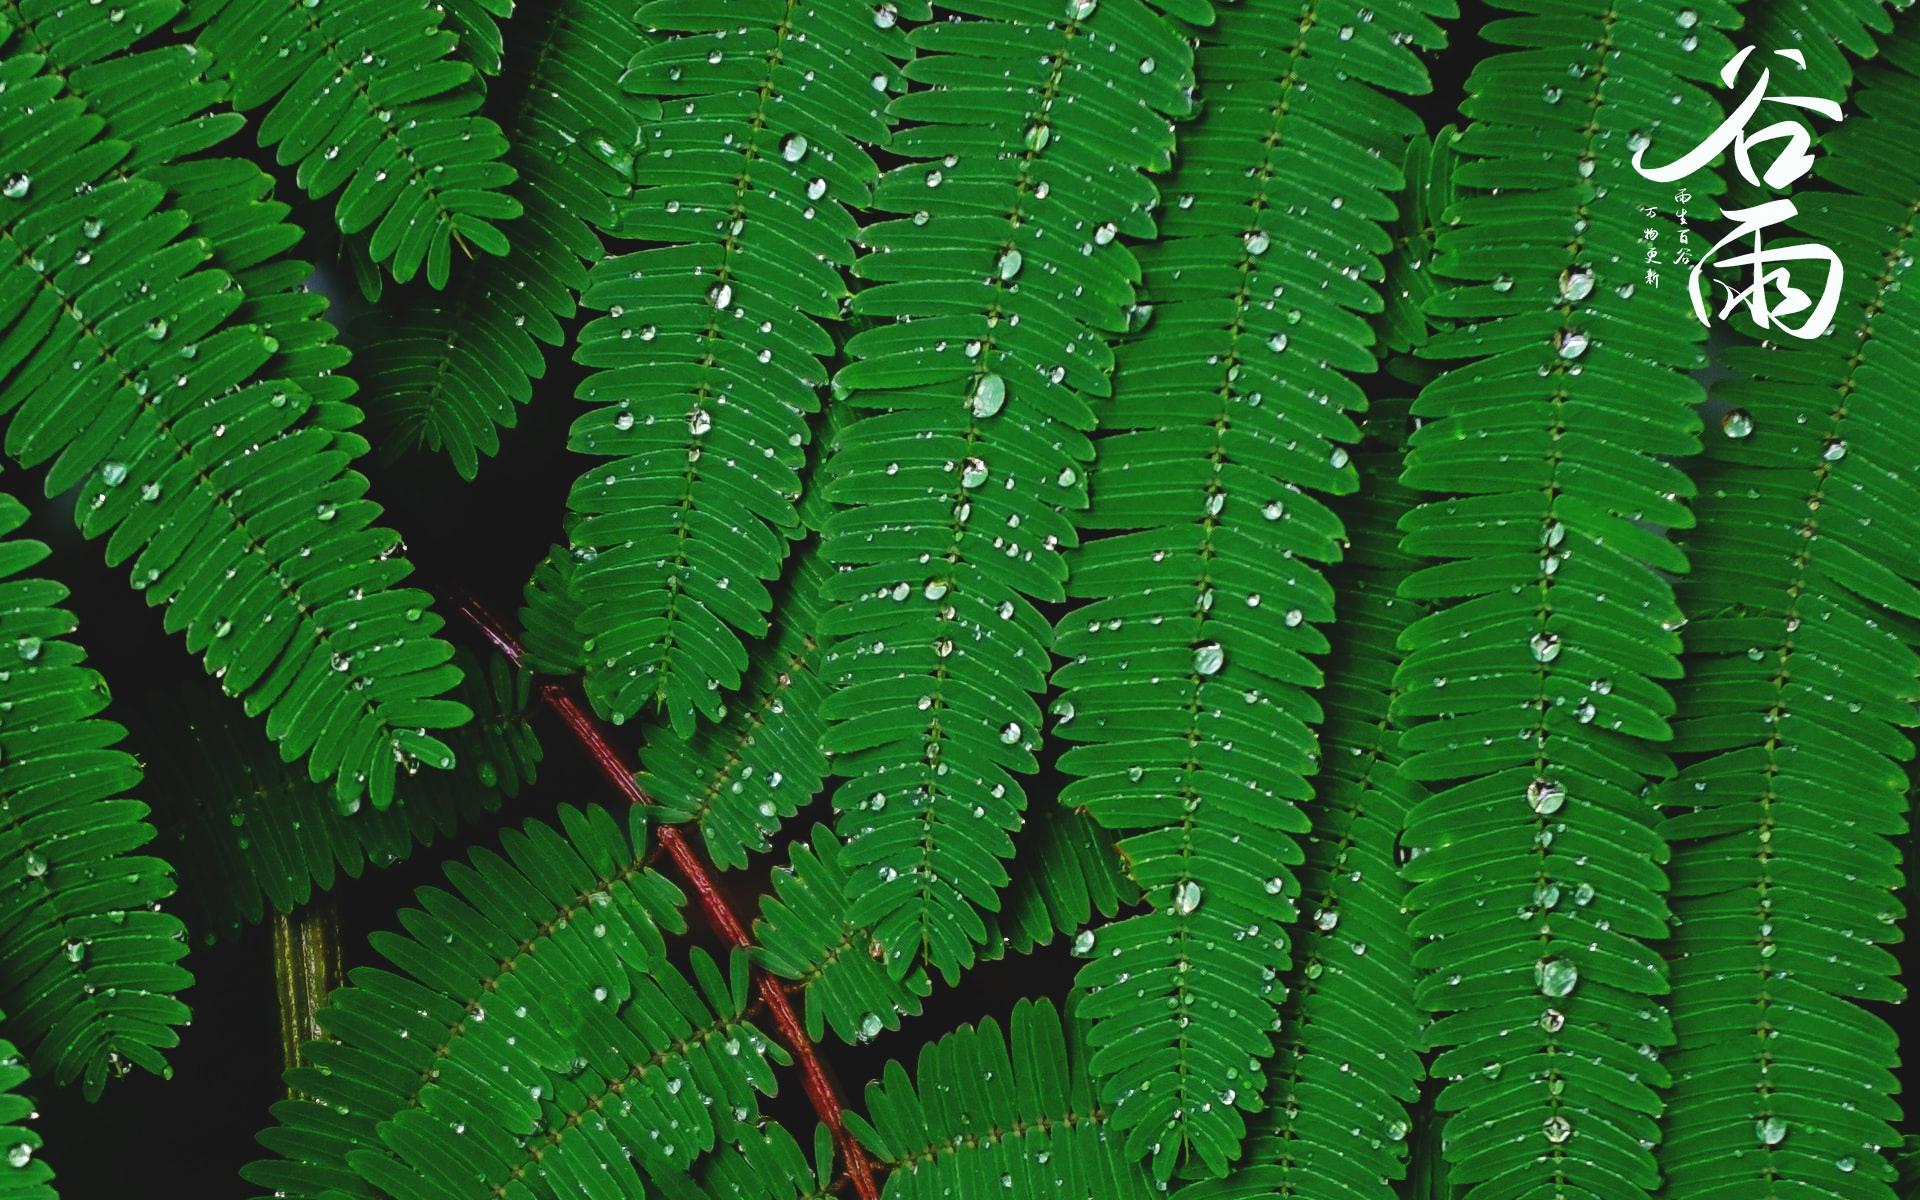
[{"x": 720, "y": 916}]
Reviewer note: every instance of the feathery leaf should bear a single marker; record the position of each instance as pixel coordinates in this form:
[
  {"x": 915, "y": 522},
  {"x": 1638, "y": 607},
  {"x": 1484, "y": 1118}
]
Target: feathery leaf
[
  {"x": 1188, "y": 680},
  {"x": 991, "y": 297},
  {"x": 367, "y": 96},
  {"x": 89, "y": 966},
  {"x": 1802, "y": 676}
]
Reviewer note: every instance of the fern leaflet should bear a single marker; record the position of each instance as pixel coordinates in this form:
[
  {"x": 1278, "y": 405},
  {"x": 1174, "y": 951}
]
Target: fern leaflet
[
  {"x": 448, "y": 370},
  {"x": 709, "y": 358},
  {"x": 89, "y": 966},
  {"x": 1802, "y": 676},
  {"x": 366, "y": 96},
  {"x": 1532, "y": 692},
  {"x": 127, "y": 365},
  {"x": 991, "y": 298},
  {"x": 1187, "y": 676}
]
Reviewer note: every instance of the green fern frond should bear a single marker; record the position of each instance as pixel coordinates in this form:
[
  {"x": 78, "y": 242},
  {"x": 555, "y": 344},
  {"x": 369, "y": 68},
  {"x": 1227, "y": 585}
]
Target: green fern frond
[
  {"x": 993, "y": 1114},
  {"x": 1533, "y": 693},
  {"x": 804, "y": 936},
  {"x": 762, "y": 1163},
  {"x": 366, "y": 95},
  {"x": 477, "y": 25},
  {"x": 740, "y": 779},
  {"x": 23, "y": 1174},
  {"x": 446, "y": 372},
  {"x": 1335, "y": 1121},
  {"x": 653, "y": 1084},
  {"x": 1827, "y": 33},
  {"x": 89, "y": 966},
  {"x": 521, "y": 1005},
  {"x": 1187, "y": 680},
  {"x": 1802, "y": 677},
  {"x": 249, "y": 835},
  {"x": 158, "y": 102},
  {"x": 709, "y": 359},
  {"x": 123, "y": 363},
  {"x": 1428, "y": 171},
  {"x": 991, "y": 300},
  {"x": 550, "y": 616},
  {"x": 1076, "y": 875}
]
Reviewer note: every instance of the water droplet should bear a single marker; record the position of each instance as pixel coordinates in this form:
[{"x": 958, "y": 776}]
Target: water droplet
[
  {"x": 1570, "y": 343},
  {"x": 794, "y": 147},
  {"x": 1083, "y": 942},
  {"x": 17, "y": 186},
  {"x": 1009, "y": 264},
  {"x": 1833, "y": 449},
  {"x": 870, "y": 1027},
  {"x": 1209, "y": 658},
  {"x": 1556, "y": 977},
  {"x": 886, "y": 16},
  {"x": 1010, "y": 733},
  {"x": 720, "y": 295},
  {"x": 1736, "y": 423},
  {"x": 973, "y": 473},
  {"x": 113, "y": 473},
  {"x": 1545, "y": 646},
  {"x": 1256, "y": 242},
  {"x": 157, "y": 329},
  {"x": 19, "y": 1154},
  {"x": 1186, "y": 897},
  {"x": 1576, "y": 284},
  {"x": 989, "y": 396},
  {"x": 36, "y": 864},
  {"x": 1770, "y": 1131},
  {"x": 28, "y": 648},
  {"x": 699, "y": 421},
  {"x": 1545, "y": 796},
  {"x": 1557, "y": 1128}
]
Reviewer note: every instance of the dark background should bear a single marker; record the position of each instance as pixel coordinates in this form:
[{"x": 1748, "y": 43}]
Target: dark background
[{"x": 189, "y": 1136}]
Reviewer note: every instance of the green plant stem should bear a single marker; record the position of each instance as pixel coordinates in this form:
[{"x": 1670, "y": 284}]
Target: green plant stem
[
  {"x": 819, "y": 1084},
  {"x": 306, "y": 966}
]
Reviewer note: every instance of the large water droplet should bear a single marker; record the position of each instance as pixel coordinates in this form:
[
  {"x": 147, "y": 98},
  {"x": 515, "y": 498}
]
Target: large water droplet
[
  {"x": 1545, "y": 796},
  {"x": 1556, "y": 977},
  {"x": 1209, "y": 658},
  {"x": 1770, "y": 1131},
  {"x": 17, "y": 186},
  {"x": 989, "y": 396},
  {"x": 1736, "y": 423},
  {"x": 1186, "y": 897}
]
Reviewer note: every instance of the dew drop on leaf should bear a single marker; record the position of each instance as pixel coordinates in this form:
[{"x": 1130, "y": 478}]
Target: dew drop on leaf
[
  {"x": 1556, "y": 977},
  {"x": 1186, "y": 897},
  {"x": 989, "y": 396}
]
